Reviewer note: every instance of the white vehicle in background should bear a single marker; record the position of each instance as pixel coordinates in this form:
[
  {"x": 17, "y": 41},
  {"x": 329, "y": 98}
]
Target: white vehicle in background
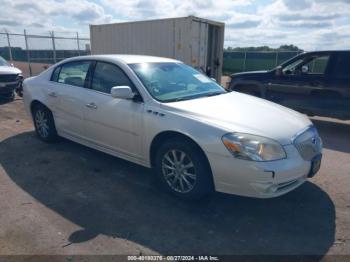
[
  {"x": 161, "y": 113},
  {"x": 10, "y": 79}
]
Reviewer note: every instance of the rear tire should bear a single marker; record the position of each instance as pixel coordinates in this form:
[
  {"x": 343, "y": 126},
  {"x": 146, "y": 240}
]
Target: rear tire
[
  {"x": 183, "y": 169},
  {"x": 44, "y": 124},
  {"x": 19, "y": 91}
]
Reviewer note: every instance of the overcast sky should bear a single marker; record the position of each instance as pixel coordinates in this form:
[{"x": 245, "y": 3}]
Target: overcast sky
[{"x": 309, "y": 24}]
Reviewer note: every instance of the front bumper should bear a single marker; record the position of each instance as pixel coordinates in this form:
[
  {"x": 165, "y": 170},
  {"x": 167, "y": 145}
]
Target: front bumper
[
  {"x": 8, "y": 87},
  {"x": 259, "y": 179}
]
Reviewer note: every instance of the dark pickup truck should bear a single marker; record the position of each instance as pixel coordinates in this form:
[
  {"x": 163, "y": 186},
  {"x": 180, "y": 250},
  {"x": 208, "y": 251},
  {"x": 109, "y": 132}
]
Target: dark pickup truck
[{"x": 315, "y": 83}]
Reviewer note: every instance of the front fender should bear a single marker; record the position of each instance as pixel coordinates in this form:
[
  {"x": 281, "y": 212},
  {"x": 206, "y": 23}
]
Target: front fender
[
  {"x": 206, "y": 136},
  {"x": 251, "y": 85}
]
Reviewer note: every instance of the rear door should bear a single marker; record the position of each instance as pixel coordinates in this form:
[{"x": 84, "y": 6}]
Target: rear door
[
  {"x": 66, "y": 97},
  {"x": 115, "y": 124},
  {"x": 339, "y": 85}
]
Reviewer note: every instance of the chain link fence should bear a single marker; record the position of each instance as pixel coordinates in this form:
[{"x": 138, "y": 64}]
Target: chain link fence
[
  {"x": 33, "y": 53},
  {"x": 251, "y": 61}
]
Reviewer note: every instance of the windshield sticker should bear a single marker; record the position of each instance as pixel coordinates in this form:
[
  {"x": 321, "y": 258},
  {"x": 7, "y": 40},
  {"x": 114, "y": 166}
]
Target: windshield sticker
[{"x": 202, "y": 78}]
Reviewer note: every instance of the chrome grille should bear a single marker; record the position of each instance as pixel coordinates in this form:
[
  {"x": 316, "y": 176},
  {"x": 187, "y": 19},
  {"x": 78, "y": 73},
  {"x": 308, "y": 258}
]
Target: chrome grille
[
  {"x": 8, "y": 78},
  {"x": 308, "y": 143}
]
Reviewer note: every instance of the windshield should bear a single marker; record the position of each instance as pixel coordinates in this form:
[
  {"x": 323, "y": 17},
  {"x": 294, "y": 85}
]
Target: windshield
[
  {"x": 169, "y": 82},
  {"x": 3, "y": 62}
]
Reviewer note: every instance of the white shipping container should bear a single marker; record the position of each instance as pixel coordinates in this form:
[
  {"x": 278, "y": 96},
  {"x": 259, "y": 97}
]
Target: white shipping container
[{"x": 195, "y": 41}]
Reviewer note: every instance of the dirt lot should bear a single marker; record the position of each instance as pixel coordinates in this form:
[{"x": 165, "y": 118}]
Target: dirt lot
[
  {"x": 68, "y": 199},
  {"x": 37, "y": 68}
]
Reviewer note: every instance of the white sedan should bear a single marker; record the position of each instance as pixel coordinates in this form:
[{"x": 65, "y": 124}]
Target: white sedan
[{"x": 165, "y": 115}]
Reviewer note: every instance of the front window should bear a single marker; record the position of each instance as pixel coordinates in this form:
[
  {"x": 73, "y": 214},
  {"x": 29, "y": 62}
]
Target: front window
[
  {"x": 3, "y": 62},
  {"x": 307, "y": 65},
  {"x": 107, "y": 76},
  {"x": 169, "y": 82},
  {"x": 291, "y": 68}
]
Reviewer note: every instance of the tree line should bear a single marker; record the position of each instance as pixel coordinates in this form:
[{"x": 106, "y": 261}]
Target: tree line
[{"x": 264, "y": 48}]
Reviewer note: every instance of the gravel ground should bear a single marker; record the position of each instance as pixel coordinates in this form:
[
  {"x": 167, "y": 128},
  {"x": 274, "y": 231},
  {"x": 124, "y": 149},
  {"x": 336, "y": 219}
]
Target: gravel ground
[{"x": 68, "y": 199}]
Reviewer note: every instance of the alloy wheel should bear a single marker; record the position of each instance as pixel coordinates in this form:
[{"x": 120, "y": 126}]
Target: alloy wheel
[
  {"x": 179, "y": 171},
  {"x": 41, "y": 122}
]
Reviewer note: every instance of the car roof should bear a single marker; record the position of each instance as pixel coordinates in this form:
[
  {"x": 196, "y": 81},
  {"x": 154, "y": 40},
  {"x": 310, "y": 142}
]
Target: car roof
[
  {"x": 127, "y": 59},
  {"x": 326, "y": 52}
]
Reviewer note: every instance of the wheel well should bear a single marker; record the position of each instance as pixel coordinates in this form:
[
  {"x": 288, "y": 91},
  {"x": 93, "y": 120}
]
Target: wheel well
[
  {"x": 161, "y": 137},
  {"x": 250, "y": 88},
  {"x": 35, "y": 103}
]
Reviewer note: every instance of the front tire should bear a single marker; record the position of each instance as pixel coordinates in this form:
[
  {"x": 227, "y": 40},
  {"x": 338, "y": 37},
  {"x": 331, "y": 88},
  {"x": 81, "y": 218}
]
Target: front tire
[
  {"x": 44, "y": 124},
  {"x": 19, "y": 91},
  {"x": 183, "y": 169}
]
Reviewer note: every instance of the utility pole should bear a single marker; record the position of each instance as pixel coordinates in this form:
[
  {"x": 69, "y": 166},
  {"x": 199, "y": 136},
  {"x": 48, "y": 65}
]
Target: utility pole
[
  {"x": 27, "y": 50},
  {"x": 53, "y": 47},
  {"x": 9, "y": 46}
]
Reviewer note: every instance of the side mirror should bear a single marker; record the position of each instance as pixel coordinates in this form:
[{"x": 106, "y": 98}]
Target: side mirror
[
  {"x": 279, "y": 71},
  {"x": 123, "y": 92},
  {"x": 305, "y": 69},
  {"x": 212, "y": 78}
]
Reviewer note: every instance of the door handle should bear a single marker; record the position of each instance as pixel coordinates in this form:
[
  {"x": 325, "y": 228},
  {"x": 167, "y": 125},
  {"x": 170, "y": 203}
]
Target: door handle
[
  {"x": 53, "y": 94},
  {"x": 91, "y": 105}
]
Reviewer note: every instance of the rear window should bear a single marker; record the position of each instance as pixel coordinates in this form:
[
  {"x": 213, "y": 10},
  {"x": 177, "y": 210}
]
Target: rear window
[
  {"x": 318, "y": 65},
  {"x": 342, "y": 66},
  {"x": 73, "y": 73},
  {"x": 54, "y": 76}
]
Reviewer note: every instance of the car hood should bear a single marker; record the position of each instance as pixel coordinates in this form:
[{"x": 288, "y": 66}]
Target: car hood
[
  {"x": 5, "y": 70},
  {"x": 250, "y": 73},
  {"x": 237, "y": 112}
]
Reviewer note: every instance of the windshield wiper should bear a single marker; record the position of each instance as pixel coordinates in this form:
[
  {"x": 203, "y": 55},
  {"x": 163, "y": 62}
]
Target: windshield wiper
[
  {"x": 178, "y": 99},
  {"x": 194, "y": 97},
  {"x": 214, "y": 93}
]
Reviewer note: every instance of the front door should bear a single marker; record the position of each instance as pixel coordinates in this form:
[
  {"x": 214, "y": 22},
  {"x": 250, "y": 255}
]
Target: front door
[
  {"x": 115, "y": 124},
  {"x": 299, "y": 81}
]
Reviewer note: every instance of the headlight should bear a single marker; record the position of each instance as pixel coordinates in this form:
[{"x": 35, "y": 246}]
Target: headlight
[
  {"x": 19, "y": 77},
  {"x": 251, "y": 147}
]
